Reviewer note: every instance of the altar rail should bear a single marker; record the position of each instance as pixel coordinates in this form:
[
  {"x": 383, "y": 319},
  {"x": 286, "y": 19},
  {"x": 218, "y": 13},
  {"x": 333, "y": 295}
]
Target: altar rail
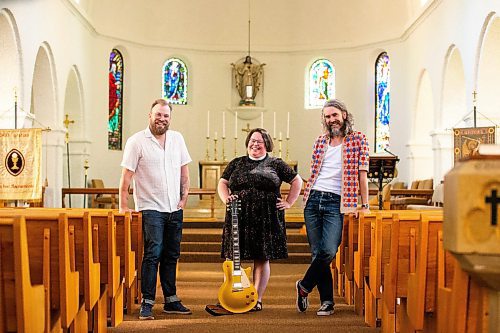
[{"x": 114, "y": 191}]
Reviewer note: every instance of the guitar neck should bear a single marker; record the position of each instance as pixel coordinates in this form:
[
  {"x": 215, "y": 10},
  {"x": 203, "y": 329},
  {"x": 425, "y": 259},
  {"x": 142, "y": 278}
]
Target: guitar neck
[{"x": 236, "y": 242}]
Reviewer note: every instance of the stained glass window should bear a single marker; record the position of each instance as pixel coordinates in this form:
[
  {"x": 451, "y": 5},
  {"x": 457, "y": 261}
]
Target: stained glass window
[
  {"x": 115, "y": 116},
  {"x": 321, "y": 83},
  {"x": 382, "y": 102},
  {"x": 175, "y": 79}
]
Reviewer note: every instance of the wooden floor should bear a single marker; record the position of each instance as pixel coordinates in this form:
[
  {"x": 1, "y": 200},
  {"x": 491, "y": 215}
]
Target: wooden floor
[{"x": 198, "y": 284}]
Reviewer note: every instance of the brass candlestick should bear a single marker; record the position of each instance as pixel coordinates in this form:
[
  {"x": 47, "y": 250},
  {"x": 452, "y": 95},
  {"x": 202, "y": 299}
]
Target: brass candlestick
[
  {"x": 279, "y": 144},
  {"x": 207, "y": 155},
  {"x": 215, "y": 149},
  {"x": 224, "y": 159},
  {"x": 287, "y": 158},
  {"x": 235, "y": 150}
]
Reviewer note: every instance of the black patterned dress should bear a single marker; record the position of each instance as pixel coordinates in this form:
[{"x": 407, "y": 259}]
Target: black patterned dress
[{"x": 261, "y": 225}]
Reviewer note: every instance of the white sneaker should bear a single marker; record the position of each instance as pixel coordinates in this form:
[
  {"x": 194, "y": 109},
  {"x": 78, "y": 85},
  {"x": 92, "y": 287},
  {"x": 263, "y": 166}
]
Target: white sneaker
[{"x": 325, "y": 310}]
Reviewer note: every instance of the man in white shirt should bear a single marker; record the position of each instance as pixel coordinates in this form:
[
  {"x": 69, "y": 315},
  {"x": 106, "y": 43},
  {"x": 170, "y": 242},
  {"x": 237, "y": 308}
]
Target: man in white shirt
[{"x": 156, "y": 160}]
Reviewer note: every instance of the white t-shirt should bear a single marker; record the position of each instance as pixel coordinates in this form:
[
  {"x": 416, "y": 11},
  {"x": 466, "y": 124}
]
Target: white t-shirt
[
  {"x": 330, "y": 175},
  {"x": 157, "y": 171}
]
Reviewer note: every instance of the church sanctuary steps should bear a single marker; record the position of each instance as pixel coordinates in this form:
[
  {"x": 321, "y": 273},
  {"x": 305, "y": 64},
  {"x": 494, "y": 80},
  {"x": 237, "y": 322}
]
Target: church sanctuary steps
[{"x": 201, "y": 242}]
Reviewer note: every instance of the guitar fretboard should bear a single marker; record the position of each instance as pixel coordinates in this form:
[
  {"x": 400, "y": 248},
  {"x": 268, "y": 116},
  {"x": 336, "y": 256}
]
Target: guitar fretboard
[{"x": 236, "y": 236}]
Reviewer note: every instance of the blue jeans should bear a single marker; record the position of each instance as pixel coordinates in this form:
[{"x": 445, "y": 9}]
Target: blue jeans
[
  {"x": 161, "y": 233},
  {"x": 324, "y": 232}
]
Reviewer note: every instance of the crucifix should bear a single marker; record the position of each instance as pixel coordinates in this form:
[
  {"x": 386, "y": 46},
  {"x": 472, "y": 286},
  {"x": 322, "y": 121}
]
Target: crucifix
[
  {"x": 494, "y": 200},
  {"x": 474, "y": 95},
  {"x": 247, "y": 130},
  {"x": 66, "y": 123}
]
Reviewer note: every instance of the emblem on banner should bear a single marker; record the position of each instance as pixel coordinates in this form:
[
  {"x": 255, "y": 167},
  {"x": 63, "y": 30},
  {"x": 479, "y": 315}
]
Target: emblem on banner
[{"x": 14, "y": 162}]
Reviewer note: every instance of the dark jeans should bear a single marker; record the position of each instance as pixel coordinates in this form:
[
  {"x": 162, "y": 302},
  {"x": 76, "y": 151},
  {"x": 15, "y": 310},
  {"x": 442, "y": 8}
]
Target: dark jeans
[
  {"x": 324, "y": 232},
  {"x": 162, "y": 233}
]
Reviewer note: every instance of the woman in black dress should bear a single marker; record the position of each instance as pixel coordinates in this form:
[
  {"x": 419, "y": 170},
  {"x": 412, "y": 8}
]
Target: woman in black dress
[{"x": 255, "y": 179}]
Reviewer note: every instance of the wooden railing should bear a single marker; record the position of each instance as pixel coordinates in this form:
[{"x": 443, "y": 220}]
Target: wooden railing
[{"x": 114, "y": 191}]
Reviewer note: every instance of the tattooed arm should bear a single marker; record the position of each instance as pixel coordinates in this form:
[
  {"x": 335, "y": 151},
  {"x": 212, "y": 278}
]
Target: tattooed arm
[{"x": 184, "y": 186}]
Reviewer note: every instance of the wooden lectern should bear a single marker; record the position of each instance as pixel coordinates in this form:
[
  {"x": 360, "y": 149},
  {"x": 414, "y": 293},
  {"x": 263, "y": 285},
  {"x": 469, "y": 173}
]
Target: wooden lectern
[{"x": 382, "y": 168}]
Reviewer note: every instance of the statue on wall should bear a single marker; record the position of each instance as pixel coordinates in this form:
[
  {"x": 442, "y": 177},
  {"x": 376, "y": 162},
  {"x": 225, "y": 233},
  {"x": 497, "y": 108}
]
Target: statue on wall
[{"x": 248, "y": 78}]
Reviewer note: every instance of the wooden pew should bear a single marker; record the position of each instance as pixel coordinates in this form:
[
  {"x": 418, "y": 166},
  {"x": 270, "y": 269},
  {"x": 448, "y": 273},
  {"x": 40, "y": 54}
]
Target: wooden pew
[
  {"x": 462, "y": 303},
  {"x": 423, "y": 283},
  {"x": 338, "y": 267},
  {"x": 380, "y": 240},
  {"x": 134, "y": 294},
  {"x": 402, "y": 261},
  {"x": 97, "y": 250},
  {"x": 403, "y": 254},
  {"x": 52, "y": 264},
  {"x": 19, "y": 298},
  {"x": 361, "y": 259},
  {"x": 350, "y": 248}
]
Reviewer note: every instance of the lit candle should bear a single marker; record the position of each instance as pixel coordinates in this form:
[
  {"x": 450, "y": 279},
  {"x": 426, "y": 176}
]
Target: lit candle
[
  {"x": 224, "y": 124},
  {"x": 280, "y": 136},
  {"x": 236, "y": 125},
  {"x": 215, "y": 136},
  {"x": 288, "y": 125},
  {"x": 262, "y": 120},
  {"x": 208, "y": 123},
  {"x": 274, "y": 124}
]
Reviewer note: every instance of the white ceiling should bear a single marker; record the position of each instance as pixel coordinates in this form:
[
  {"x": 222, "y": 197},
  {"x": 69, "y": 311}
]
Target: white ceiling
[{"x": 277, "y": 25}]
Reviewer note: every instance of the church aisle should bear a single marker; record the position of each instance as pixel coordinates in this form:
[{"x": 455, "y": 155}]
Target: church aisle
[{"x": 198, "y": 284}]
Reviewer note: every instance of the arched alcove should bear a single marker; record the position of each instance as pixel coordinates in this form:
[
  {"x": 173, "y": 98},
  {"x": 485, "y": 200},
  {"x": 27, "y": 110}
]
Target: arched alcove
[
  {"x": 454, "y": 104},
  {"x": 44, "y": 102},
  {"x": 10, "y": 73},
  {"x": 46, "y": 112},
  {"x": 488, "y": 73},
  {"x": 421, "y": 156},
  {"x": 78, "y": 151}
]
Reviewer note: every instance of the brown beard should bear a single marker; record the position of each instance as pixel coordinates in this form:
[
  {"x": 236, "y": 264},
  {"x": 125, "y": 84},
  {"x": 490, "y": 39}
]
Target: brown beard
[
  {"x": 337, "y": 132},
  {"x": 154, "y": 129}
]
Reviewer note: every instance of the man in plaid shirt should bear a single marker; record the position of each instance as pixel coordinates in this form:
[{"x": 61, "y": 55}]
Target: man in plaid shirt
[{"x": 339, "y": 169}]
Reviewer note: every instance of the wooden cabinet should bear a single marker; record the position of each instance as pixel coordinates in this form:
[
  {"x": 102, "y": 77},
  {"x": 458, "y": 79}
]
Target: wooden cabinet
[{"x": 210, "y": 173}]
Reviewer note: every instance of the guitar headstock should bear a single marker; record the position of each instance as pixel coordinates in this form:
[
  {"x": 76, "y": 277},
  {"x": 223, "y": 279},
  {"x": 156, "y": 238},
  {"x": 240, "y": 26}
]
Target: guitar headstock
[{"x": 235, "y": 206}]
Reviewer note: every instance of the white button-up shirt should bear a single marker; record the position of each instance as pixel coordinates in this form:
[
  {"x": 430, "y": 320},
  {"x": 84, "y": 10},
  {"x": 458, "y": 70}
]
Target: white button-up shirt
[{"x": 157, "y": 171}]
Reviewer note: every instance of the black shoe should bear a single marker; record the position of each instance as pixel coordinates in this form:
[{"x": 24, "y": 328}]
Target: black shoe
[
  {"x": 257, "y": 307},
  {"x": 325, "y": 309},
  {"x": 302, "y": 301},
  {"x": 176, "y": 308},
  {"x": 146, "y": 312}
]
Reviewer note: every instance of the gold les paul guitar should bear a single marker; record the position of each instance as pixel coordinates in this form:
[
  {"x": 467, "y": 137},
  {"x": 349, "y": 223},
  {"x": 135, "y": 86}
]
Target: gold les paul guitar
[{"x": 236, "y": 294}]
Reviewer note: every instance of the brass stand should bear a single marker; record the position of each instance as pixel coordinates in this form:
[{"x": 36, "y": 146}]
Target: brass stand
[
  {"x": 207, "y": 155},
  {"x": 287, "y": 158},
  {"x": 279, "y": 144},
  {"x": 235, "y": 150},
  {"x": 215, "y": 149},
  {"x": 223, "y": 151}
]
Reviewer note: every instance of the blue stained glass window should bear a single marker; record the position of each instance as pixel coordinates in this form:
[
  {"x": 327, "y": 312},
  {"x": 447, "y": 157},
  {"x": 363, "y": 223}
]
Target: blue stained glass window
[
  {"x": 175, "y": 80},
  {"x": 321, "y": 83},
  {"x": 382, "y": 102},
  {"x": 115, "y": 115}
]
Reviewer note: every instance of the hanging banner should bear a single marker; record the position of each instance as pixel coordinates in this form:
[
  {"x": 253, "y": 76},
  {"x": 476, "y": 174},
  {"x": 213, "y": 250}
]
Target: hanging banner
[
  {"x": 467, "y": 140},
  {"x": 20, "y": 169}
]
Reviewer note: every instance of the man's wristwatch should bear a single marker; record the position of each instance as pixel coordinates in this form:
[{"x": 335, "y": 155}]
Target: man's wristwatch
[{"x": 365, "y": 206}]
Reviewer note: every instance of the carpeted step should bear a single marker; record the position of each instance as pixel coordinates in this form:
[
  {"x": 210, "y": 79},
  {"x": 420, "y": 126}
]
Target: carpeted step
[
  {"x": 216, "y": 247},
  {"x": 293, "y": 258},
  {"x": 218, "y": 224},
  {"x": 215, "y": 236}
]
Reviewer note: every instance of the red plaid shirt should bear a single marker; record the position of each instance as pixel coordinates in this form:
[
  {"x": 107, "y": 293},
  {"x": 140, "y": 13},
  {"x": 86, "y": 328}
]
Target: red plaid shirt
[{"x": 355, "y": 157}]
